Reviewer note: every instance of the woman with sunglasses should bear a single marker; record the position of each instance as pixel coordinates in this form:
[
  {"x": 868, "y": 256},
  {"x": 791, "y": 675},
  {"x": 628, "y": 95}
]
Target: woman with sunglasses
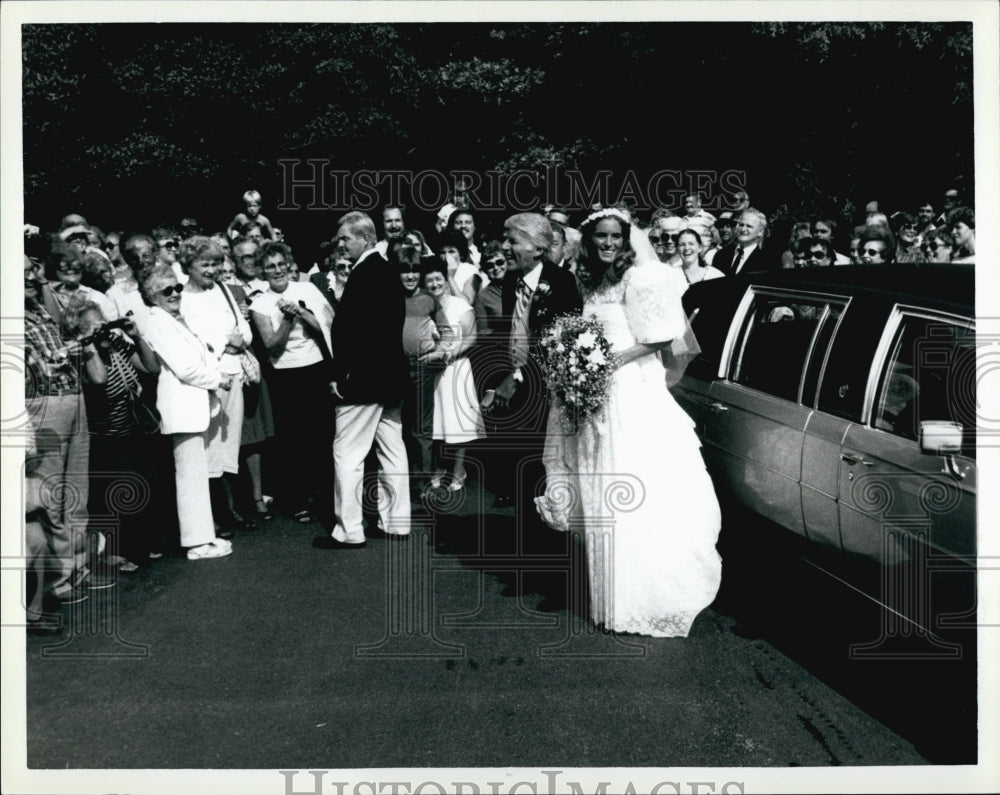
[
  {"x": 907, "y": 238},
  {"x": 332, "y": 278},
  {"x": 937, "y": 246},
  {"x": 189, "y": 375},
  {"x": 294, "y": 320},
  {"x": 66, "y": 265},
  {"x": 663, "y": 236}
]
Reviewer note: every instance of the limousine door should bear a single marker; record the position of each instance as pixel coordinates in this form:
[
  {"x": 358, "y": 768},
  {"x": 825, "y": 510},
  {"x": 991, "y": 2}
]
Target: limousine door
[
  {"x": 913, "y": 512},
  {"x": 755, "y": 420}
]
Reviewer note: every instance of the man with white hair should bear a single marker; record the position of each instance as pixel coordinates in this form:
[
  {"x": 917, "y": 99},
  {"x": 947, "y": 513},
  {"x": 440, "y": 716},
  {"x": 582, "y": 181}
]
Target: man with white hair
[
  {"x": 533, "y": 294},
  {"x": 748, "y": 254},
  {"x": 369, "y": 377}
]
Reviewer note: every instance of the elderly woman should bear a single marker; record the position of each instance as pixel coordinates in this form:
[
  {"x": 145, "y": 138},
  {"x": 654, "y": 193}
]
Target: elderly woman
[
  {"x": 190, "y": 379},
  {"x": 294, "y": 321},
  {"x": 211, "y": 311},
  {"x": 66, "y": 264}
]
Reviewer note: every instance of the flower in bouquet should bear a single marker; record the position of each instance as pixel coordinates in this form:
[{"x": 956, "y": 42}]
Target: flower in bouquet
[{"x": 579, "y": 366}]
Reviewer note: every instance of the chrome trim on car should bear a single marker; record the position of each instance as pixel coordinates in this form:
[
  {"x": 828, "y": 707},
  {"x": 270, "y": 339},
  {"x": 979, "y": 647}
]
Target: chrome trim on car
[{"x": 883, "y": 351}]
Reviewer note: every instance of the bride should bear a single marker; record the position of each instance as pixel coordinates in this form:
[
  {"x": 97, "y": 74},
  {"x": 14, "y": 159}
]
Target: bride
[{"x": 631, "y": 478}]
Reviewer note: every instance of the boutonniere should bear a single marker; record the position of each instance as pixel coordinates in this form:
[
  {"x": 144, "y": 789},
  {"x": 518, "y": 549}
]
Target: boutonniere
[{"x": 543, "y": 289}]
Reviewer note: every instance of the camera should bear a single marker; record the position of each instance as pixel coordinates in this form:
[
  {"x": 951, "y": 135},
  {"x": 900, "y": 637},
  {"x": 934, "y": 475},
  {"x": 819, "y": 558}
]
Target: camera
[{"x": 103, "y": 334}]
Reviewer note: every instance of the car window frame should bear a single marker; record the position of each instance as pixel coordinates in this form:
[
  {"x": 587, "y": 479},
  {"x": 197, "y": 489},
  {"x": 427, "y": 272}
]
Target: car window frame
[
  {"x": 886, "y": 349},
  {"x": 742, "y": 317}
]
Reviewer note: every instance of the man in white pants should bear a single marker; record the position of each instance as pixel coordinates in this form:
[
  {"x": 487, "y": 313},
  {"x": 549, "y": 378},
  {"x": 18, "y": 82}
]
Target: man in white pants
[{"x": 370, "y": 373}]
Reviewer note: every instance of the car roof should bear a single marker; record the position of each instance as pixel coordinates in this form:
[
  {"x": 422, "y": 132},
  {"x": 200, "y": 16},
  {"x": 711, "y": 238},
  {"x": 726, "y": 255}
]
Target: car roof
[{"x": 927, "y": 284}]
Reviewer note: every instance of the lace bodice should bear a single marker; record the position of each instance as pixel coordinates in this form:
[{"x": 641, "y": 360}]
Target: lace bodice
[{"x": 643, "y": 307}]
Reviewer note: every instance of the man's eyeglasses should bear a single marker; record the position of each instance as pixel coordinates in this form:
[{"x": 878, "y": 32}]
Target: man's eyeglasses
[
  {"x": 169, "y": 244},
  {"x": 174, "y": 289},
  {"x": 496, "y": 263},
  {"x": 665, "y": 238},
  {"x": 816, "y": 255}
]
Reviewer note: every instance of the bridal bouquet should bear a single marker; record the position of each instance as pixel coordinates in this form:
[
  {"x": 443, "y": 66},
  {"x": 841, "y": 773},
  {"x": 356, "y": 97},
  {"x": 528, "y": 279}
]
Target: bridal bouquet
[{"x": 578, "y": 365}]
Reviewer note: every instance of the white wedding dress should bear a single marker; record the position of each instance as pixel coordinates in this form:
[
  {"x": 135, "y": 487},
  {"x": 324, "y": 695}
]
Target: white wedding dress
[{"x": 632, "y": 479}]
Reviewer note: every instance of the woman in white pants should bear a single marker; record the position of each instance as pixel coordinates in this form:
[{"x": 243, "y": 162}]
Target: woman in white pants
[{"x": 189, "y": 374}]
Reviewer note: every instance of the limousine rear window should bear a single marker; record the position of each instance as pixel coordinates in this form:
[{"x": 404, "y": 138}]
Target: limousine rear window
[{"x": 929, "y": 373}]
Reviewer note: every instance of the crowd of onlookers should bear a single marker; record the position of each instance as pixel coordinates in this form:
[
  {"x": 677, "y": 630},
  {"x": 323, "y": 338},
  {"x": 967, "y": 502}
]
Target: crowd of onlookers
[{"x": 174, "y": 380}]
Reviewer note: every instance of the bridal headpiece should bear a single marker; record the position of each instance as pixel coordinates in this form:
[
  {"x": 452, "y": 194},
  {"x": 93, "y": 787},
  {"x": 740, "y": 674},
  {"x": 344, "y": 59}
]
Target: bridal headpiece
[{"x": 609, "y": 212}]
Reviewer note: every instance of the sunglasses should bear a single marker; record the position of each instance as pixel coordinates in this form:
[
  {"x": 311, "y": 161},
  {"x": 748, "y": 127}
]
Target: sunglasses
[
  {"x": 665, "y": 238},
  {"x": 872, "y": 252},
  {"x": 815, "y": 255},
  {"x": 343, "y": 267},
  {"x": 70, "y": 268},
  {"x": 170, "y": 244},
  {"x": 496, "y": 263},
  {"x": 174, "y": 289},
  {"x": 932, "y": 247}
]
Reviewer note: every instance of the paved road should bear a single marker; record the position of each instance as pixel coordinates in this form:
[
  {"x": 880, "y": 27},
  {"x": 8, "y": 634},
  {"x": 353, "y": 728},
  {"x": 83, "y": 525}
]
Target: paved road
[{"x": 410, "y": 655}]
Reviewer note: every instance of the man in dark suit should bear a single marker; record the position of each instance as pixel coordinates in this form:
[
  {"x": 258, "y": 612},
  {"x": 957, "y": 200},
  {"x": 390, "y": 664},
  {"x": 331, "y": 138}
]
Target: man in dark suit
[
  {"x": 370, "y": 373},
  {"x": 748, "y": 254},
  {"x": 533, "y": 294}
]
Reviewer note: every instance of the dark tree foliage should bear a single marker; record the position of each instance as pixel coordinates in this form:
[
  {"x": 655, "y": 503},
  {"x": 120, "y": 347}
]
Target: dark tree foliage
[{"x": 132, "y": 124}]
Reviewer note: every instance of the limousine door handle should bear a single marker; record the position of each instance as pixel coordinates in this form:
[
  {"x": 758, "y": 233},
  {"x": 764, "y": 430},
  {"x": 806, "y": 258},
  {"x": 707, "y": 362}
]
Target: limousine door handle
[
  {"x": 854, "y": 458},
  {"x": 716, "y": 406}
]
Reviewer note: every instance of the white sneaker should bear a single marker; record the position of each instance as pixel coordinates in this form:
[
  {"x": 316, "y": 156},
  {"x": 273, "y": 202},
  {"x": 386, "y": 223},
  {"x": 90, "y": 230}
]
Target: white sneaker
[{"x": 215, "y": 549}]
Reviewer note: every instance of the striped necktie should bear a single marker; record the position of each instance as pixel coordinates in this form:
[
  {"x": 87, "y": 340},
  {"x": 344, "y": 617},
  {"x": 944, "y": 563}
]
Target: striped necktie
[{"x": 519, "y": 325}]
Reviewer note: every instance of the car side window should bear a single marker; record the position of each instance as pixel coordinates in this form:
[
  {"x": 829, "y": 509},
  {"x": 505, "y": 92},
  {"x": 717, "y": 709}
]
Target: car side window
[
  {"x": 930, "y": 375},
  {"x": 780, "y": 337}
]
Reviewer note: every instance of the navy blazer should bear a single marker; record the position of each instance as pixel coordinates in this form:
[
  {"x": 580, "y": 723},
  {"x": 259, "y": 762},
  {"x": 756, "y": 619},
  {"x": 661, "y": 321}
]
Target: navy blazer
[{"x": 369, "y": 365}]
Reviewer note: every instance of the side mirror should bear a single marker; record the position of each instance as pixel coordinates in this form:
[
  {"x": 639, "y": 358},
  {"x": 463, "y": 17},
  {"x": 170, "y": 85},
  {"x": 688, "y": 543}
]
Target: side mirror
[
  {"x": 939, "y": 437},
  {"x": 942, "y": 438}
]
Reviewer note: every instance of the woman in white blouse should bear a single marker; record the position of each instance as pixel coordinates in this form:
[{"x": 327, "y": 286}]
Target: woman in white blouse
[
  {"x": 211, "y": 312},
  {"x": 294, "y": 320},
  {"x": 189, "y": 379}
]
